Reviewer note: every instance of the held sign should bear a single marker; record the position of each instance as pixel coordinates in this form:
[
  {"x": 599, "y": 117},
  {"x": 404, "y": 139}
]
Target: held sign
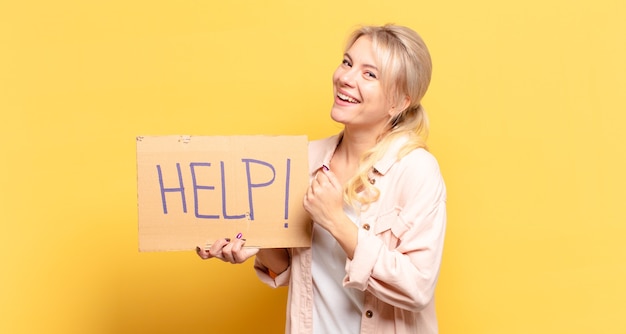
[{"x": 193, "y": 190}]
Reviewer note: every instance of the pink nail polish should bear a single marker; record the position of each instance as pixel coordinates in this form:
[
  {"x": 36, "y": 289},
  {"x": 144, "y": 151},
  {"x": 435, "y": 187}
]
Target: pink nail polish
[
  {"x": 325, "y": 167},
  {"x": 239, "y": 235}
]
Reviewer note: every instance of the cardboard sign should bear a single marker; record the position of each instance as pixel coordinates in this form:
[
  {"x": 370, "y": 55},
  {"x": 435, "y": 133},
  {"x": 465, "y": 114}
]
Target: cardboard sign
[{"x": 193, "y": 190}]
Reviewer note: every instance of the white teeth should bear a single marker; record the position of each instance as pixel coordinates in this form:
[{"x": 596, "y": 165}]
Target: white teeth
[{"x": 346, "y": 98}]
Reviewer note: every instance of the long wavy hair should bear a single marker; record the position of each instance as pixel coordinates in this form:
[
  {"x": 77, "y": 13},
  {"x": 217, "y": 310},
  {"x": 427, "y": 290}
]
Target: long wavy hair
[{"x": 406, "y": 68}]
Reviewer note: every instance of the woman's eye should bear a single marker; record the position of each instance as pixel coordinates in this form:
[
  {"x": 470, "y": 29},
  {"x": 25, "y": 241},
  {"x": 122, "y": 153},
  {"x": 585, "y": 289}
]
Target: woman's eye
[
  {"x": 346, "y": 62},
  {"x": 370, "y": 75}
]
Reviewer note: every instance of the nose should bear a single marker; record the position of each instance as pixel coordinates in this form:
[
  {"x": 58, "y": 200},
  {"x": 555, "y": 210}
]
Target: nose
[{"x": 348, "y": 77}]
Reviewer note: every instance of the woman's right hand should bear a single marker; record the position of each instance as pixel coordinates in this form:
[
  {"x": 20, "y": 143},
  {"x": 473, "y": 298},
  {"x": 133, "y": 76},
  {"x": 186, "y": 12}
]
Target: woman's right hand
[{"x": 228, "y": 250}]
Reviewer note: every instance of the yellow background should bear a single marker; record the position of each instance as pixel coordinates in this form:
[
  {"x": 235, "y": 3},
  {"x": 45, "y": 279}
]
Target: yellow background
[{"x": 527, "y": 107}]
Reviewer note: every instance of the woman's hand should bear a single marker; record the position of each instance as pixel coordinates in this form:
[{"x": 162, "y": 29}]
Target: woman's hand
[
  {"x": 228, "y": 251},
  {"x": 324, "y": 199},
  {"x": 324, "y": 202}
]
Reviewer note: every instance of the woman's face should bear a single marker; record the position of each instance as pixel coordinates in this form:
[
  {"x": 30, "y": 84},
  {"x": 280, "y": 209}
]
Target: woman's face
[{"x": 360, "y": 101}]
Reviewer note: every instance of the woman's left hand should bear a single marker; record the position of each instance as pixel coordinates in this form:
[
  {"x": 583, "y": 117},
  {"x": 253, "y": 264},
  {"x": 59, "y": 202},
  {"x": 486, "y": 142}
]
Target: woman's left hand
[{"x": 324, "y": 199}]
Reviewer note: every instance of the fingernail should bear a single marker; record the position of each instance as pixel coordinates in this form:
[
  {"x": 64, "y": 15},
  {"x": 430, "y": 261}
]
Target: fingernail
[
  {"x": 227, "y": 239},
  {"x": 239, "y": 235},
  {"x": 197, "y": 248},
  {"x": 243, "y": 239},
  {"x": 325, "y": 167}
]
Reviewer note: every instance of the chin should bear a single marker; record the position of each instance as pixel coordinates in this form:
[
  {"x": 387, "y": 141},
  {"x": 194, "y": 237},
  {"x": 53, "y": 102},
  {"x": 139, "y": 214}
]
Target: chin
[{"x": 337, "y": 116}]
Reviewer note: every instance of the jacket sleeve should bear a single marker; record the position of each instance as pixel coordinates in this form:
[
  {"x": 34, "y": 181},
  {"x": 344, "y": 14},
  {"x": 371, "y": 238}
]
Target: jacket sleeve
[
  {"x": 318, "y": 150},
  {"x": 398, "y": 260},
  {"x": 263, "y": 273}
]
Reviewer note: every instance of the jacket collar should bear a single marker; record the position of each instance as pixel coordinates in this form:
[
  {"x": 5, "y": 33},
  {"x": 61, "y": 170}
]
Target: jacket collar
[
  {"x": 327, "y": 154},
  {"x": 382, "y": 166},
  {"x": 390, "y": 157}
]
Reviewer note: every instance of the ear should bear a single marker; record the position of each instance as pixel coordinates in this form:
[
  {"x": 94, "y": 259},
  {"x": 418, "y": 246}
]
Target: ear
[{"x": 399, "y": 107}]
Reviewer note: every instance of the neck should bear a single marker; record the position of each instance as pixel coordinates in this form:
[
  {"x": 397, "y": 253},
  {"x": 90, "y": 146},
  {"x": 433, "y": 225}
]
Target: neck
[{"x": 353, "y": 144}]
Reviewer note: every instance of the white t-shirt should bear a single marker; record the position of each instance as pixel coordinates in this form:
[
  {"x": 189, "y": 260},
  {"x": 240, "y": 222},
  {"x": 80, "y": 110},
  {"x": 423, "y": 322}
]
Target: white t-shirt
[{"x": 336, "y": 309}]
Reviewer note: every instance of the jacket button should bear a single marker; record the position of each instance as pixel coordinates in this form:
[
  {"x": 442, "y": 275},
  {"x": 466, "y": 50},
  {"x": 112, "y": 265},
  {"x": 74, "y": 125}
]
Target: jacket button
[
  {"x": 369, "y": 313},
  {"x": 366, "y": 226}
]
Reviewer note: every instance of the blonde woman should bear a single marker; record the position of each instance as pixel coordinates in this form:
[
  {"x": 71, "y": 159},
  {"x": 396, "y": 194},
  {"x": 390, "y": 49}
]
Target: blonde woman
[{"x": 376, "y": 197}]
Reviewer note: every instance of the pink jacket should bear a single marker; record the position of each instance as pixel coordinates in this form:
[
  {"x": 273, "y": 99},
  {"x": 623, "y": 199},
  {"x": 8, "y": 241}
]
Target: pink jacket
[{"x": 397, "y": 258}]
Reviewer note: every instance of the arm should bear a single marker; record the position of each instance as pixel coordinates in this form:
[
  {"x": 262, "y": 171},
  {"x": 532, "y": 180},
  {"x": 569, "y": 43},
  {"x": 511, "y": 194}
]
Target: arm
[
  {"x": 276, "y": 260},
  {"x": 271, "y": 264},
  {"x": 398, "y": 260}
]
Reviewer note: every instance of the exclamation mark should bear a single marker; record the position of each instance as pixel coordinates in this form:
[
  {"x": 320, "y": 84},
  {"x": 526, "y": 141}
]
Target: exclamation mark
[{"x": 287, "y": 192}]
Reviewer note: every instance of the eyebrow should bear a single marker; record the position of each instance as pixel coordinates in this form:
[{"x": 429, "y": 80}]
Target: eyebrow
[{"x": 347, "y": 55}]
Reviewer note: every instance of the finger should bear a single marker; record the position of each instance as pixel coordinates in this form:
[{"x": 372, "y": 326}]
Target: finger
[
  {"x": 202, "y": 253},
  {"x": 329, "y": 182},
  {"x": 306, "y": 202},
  {"x": 310, "y": 192},
  {"x": 332, "y": 178},
  {"x": 236, "y": 251},
  {"x": 227, "y": 253},
  {"x": 322, "y": 176},
  {"x": 227, "y": 249},
  {"x": 240, "y": 253},
  {"x": 310, "y": 197},
  {"x": 217, "y": 248}
]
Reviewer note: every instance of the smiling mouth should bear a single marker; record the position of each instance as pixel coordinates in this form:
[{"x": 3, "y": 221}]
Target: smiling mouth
[{"x": 347, "y": 98}]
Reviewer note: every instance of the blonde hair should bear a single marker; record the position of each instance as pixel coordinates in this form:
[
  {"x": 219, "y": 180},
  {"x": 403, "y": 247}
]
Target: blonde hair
[{"x": 406, "y": 70}]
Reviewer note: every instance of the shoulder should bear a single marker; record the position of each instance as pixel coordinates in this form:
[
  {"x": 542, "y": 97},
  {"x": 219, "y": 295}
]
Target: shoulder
[
  {"x": 417, "y": 175},
  {"x": 420, "y": 158},
  {"x": 419, "y": 166}
]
